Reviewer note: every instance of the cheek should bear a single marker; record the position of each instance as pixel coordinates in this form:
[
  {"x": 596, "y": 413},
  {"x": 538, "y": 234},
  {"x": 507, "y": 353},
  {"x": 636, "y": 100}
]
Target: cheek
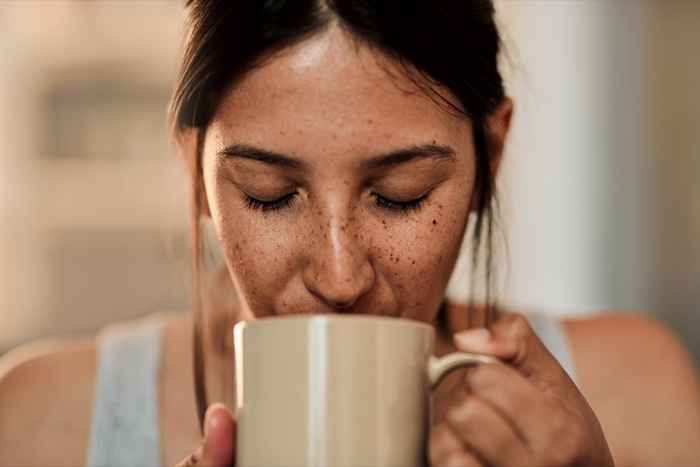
[
  {"x": 259, "y": 253},
  {"x": 417, "y": 258},
  {"x": 254, "y": 250}
]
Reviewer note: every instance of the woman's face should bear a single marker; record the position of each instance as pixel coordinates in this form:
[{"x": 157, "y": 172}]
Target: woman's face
[{"x": 334, "y": 187}]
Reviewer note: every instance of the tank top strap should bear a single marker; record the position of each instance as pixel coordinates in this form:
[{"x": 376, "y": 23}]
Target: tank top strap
[
  {"x": 551, "y": 332},
  {"x": 125, "y": 430}
]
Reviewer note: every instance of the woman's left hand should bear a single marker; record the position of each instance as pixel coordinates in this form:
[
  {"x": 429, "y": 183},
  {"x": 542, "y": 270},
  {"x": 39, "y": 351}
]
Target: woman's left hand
[{"x": 526, "y": 412}]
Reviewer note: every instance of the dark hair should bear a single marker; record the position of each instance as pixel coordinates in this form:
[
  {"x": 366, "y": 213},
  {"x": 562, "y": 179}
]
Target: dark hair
[{"x": 439, "y": 44}]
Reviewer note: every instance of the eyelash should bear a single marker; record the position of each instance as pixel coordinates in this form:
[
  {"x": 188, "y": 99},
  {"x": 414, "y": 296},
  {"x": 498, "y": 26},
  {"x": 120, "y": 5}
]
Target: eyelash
[
  {"x": 401, "y": 207},
  {"x": 283, "y": 202}
]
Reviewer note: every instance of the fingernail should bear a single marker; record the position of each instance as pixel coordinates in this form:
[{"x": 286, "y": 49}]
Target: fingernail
[
  {"x": 210, "y": 420},
  {"x": 473, "y": 337}
]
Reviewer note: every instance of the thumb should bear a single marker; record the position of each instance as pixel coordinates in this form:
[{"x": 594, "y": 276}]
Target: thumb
[
  {"x": 512, "y": 340},
  {"x": 218, "y": 445}
]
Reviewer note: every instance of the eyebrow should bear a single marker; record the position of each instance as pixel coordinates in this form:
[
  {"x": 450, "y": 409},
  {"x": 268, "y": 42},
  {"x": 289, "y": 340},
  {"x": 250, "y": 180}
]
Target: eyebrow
[
  {"x": 245, "y": 151},
  {"x": 391, "y": 158},
  {"x": 400, "y": 156}
]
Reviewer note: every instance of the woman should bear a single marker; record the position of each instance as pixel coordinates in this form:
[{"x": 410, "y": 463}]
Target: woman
[{"x": 341, "y": 149}]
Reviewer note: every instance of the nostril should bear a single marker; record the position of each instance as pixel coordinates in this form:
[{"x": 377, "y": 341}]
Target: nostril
[
  {"x": 342, "y": 305},
  {"x": 338, "y": 302},
  {"x": 338, "y": 284}
]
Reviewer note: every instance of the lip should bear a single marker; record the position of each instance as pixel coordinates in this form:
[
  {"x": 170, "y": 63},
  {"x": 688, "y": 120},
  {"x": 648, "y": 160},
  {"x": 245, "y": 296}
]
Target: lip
[
  {"x": 335, "y": 317},
  {"x": 327, "y": 311}
]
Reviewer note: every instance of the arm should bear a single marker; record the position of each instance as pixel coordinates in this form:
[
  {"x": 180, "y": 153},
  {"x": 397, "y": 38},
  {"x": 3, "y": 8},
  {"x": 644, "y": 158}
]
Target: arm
[
  {"x": 643, "y": 385},
  {"x": 45, "y": 404}
]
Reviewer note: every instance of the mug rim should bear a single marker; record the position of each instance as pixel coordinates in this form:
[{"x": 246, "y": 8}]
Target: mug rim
[{"x": 330, "y": 317}]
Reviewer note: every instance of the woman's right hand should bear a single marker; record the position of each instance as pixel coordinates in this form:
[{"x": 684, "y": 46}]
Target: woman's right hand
[{"x": 218, "y": 448}]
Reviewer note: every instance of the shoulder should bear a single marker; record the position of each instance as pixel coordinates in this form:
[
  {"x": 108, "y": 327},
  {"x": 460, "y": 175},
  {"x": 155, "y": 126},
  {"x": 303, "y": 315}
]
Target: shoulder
[
  {"x": 46, "y": 393},
  {"x": 644, "y": 348},
  {"x": 635, "y": 372}
]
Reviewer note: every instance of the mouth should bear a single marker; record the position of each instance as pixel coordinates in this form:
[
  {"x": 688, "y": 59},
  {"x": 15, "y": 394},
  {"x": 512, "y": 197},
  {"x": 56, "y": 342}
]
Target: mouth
[{"x": 360, "y": 311}]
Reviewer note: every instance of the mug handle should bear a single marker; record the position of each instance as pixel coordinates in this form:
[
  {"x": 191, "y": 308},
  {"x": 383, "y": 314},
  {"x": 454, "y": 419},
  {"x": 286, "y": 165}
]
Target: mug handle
[{"x": 438, "y": 368}]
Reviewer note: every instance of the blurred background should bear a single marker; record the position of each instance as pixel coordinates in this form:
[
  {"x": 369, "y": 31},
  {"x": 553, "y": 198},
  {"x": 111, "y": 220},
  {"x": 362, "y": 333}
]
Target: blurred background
[{"x": 600, "y": 186}]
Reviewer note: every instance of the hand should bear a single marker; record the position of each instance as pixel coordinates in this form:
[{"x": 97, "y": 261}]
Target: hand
[
  {"x": 218, "y": 446},
  {"x": 525, "y": 412}
]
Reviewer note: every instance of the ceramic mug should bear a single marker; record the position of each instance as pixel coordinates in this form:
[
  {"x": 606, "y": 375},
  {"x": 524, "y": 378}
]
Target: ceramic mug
[{"x": 336, "y": 390}]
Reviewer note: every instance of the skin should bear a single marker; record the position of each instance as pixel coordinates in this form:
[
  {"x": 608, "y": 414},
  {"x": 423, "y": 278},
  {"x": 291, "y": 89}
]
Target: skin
[
  {"x": 335, "y": 250},
  {"x": 339, "y": 247},
  {"x": 344, "y": 244}
]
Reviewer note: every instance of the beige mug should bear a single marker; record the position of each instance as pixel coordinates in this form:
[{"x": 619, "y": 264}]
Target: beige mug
[{"x": 336, "y": 390}]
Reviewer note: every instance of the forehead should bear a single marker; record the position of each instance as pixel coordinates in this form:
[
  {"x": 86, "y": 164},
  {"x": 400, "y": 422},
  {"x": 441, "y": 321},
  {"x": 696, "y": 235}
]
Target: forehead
[{"x": 333, "y": 91}]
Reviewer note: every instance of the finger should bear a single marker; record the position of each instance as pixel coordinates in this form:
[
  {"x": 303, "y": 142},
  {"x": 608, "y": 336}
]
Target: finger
[
  {"x": 442, "y": 444},
  {"x": 446, "y": 450},
  {"x": 512, "y": 340},
  {"x": 463, "y": 459},
  {"x": 218, "y": 446},
  {"x": 519, "y": 402},
  {"x": 191, "y": 460},
  {"x": 220, "y": 435},
  {"x": 485, "y": 432}
]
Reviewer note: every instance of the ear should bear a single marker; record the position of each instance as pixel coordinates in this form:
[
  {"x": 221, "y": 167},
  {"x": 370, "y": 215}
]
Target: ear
[
  {"x": 189, "y": 146},
  {"x": 498, "y": 124}
]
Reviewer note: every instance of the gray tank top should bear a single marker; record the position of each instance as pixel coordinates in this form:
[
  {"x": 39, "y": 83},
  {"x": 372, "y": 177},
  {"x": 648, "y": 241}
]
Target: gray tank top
[{"x": 125, "y": 429}]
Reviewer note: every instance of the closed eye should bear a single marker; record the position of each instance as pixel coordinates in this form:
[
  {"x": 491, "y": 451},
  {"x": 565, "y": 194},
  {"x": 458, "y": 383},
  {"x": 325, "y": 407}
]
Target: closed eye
[
  {"x": 286, "y": 201},
  {"x": 280, "y": 203},
  {"x": 401, "y": 207}
]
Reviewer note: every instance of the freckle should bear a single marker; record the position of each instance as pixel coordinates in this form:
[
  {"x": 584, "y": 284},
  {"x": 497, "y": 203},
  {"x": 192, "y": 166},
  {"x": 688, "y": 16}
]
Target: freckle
[
  {"x": 370, "y": 121},
  {"x": 413, "y": 262}
]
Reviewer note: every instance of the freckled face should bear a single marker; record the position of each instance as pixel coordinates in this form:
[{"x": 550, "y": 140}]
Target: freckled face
[{"x": 334, "y": 187}]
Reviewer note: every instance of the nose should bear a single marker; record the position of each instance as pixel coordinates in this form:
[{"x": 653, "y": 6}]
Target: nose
[{"x": 339, "y": 271}]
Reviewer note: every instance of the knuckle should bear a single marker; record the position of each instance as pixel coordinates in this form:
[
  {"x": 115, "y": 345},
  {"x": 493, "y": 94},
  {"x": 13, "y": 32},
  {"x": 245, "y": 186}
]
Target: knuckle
[
  {"x": 477, "y": 381},
  {"x": 517, "y": 330},
  {"x": 482, "y": 376},
  {"x": 442, "y": 444},
  {"x": 520, "y": 327},
  {"x": 455, "y": 417},
  {"x": 567, "y": 445},
  {"x": 508, "y": 445},
  {"x": 465, "y": 415},
  {"x": 461, "y": 459}
]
